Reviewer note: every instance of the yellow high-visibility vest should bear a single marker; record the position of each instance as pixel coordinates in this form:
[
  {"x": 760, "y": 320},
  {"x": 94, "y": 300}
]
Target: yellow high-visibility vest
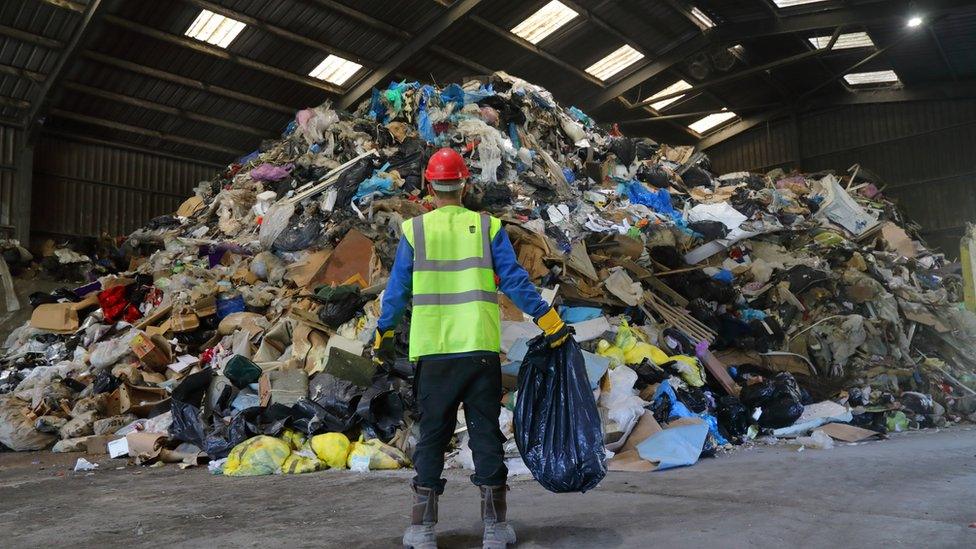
[{"x": 455, "y": 298}]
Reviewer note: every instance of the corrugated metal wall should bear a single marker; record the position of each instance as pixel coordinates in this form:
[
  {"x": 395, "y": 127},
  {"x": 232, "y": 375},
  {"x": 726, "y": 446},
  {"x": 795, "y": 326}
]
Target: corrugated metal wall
[
  {"x": 8, "y": 175},
  {"x": 85, "y": 189},
  {"x": 924, "y": 151}
]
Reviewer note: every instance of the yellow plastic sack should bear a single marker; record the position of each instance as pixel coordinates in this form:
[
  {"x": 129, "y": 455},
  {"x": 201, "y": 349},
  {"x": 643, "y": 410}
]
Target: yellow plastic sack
[
  {"x": 294, "y": 438},
  {"x": 615, "y": 354},
  {"x": 372, "y": 454},
  {"x": 332, "y": 448},
  {"x": 635, "y": 350},
  {"x": 689, "y": 369},
  {"x": 261, "y": 455},
  {"x": 302, "y": 461}
]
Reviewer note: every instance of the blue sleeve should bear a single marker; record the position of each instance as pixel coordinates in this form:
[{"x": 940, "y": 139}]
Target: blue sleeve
[
  {"x": 398, "y": 289},
  {"x": 514, "y": 280}
]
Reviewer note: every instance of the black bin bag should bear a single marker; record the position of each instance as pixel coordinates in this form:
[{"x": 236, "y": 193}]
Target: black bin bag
[{"x": 557, "y": 426}]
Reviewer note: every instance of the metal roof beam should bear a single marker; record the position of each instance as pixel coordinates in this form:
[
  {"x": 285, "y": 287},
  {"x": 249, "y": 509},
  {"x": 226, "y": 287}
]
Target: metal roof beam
[
  {"x": 30, "y": 38},
  {"x": 188, "y": 82},
  {"x": 13, "y": 103},
  {"x": 65, "y": 4},
  {"x": 165, "y": 109},
  {"x": 748, "y": 72},
  {"x": 22, "y": 73},
  {"x": 113, "y": 125},
  {"x": 739, "y": 32},
  {"x": 283, "y": 33},
  {"x": 365, "y": 19},
  {"x": 453, "y": 14},
  {"x": 40, "y": 101},
  {"x": 220, "y": 53},
  {"x": 529, "y": 46}
]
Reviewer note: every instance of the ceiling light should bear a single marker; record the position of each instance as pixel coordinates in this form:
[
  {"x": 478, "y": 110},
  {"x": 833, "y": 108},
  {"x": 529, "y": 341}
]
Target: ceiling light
[
  {"x": 673, "y": 88},
  {"x": 544, "y": 22},
  {"x": 711, "y": 121},
  {"x": 620, "y": 59},
  {"x": 845, "y": 41},
  {"x": 792, "y": 3},
  {"x": 703, "y": 20},
  {"x": 214, "y": 29},
  {"x": 873, "y": 77},
  {"x": 915, "y": 22},
  {"x": 335, "y": 70}
]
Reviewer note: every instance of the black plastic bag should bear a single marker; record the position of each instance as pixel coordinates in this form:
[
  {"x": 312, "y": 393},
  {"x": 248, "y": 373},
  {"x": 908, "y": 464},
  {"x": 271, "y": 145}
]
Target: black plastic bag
[
  {"x": 781, "y": 412},
  {"x": 557, "y": 426},
  {"x": 341, "y": 304},
  {"x": 733, "y": 416}
]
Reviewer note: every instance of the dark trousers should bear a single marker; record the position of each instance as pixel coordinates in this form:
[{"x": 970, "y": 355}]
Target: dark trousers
[{"x": 442, "y": 384}]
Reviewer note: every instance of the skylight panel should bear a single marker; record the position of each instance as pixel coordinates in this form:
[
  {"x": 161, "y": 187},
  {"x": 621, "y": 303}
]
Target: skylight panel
[
  {"x": 873, "y": 77},
  {"x": 792, "y": 3},
  {"x": 214, "y": 29},
  {"x": 673, "y": 88},
  {"x": 712, "y": 121},
  {"x": 703, "y": 20},
  {"x": 544, "y": 22},
  {"x": 617, "y": 61},
  {"x": 335, "y": 69},
  {"x": 845, "y": 41}
]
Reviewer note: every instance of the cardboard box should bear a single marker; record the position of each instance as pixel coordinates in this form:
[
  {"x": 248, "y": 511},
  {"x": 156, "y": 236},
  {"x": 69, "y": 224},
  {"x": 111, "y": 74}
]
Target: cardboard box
[
  {"x": 140, "y": 400},
  {"x": 61, "y": 317},
  {"x": 153, "y": 351}
]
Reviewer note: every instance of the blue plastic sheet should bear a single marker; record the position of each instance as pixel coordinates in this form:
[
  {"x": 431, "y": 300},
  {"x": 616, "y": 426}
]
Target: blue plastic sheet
[
  {"x": 557, "y": 426},
  {"x": 659, "y": 200},
  {"x": 453, "y": 94},
  {"x": 676, "y": 446},
  {"x": 580, "y": 117},
  {"x": 723, "y": 275},
  {"x": 752, "y": 314},
  {"x": 424, "y": 126},
  {"x": 572, "y": 315},
  {"x": 475, "y": 96}
]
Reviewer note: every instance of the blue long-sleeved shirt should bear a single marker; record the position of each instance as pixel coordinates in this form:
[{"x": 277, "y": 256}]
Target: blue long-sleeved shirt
[{"x": 514, "y": 282}]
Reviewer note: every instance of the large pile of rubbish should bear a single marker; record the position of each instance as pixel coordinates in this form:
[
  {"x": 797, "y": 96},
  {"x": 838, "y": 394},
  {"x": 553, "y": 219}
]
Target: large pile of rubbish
[{"x": 712, "y": 310}]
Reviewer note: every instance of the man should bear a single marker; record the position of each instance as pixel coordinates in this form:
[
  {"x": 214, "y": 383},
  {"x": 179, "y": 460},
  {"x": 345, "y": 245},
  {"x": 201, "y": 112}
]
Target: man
[{"x": 447, "y": 262}]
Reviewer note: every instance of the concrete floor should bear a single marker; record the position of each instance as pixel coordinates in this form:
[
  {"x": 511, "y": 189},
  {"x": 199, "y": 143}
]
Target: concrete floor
[{"x": 914, "y": 490}]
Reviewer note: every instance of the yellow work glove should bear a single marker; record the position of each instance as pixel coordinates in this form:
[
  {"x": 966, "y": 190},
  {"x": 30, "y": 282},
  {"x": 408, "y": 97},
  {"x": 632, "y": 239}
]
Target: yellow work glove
[
  {"x": 383, "y": 347},
  {"x": 557, "y": 332}
]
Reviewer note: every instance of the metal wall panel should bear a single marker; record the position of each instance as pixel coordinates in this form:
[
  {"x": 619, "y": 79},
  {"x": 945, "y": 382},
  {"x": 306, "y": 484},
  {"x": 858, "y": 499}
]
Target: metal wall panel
[
  {"x": 8, "y": 145},
  {"x": 923, "y": 151},
  {"x": 85, "y": 189}
]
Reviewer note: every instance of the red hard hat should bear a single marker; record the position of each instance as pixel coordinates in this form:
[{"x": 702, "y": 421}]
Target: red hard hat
[{"x": 446, "y": 165}]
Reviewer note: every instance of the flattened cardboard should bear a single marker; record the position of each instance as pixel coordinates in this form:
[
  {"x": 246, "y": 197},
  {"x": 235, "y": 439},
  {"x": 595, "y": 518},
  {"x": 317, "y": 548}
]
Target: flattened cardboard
[
  {"x": 189, "y": 206},
  {"x": 307, "y": 270},
  {"x": 98, "y": 444},
  {"x": 352, "y": 262},
  {"x": 848, "y": 433}
]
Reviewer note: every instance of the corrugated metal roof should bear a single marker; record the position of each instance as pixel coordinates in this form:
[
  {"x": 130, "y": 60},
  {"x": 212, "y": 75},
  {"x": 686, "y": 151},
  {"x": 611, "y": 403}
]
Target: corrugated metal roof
[{"x": 381, "y": 27}]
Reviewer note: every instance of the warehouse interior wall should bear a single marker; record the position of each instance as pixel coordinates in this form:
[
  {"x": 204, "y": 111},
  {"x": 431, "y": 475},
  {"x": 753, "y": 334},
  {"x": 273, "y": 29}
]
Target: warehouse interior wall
[
  {"x": 922, "y": 151},
  {"x": 89, "y": 189},
  {"x": 14, "y": 181}
]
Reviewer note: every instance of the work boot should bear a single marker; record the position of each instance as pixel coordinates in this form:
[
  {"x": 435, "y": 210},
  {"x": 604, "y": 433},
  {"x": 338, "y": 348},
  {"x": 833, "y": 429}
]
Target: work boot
[
  {"x": 498, "y": 532},
  {"x": 420, "y": 534}
]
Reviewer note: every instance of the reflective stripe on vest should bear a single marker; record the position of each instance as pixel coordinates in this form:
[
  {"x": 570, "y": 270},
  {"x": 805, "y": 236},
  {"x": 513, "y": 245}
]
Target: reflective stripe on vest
[{"x": 421, "y": 263}]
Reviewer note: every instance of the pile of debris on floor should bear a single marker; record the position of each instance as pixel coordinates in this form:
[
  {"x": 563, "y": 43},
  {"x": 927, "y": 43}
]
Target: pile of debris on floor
[{"x": 713, "y": 310}]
